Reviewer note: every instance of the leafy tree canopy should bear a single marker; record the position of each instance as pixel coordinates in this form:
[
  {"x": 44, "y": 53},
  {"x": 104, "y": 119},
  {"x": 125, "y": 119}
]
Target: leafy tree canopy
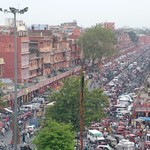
[
  {"x": 133, "y": 36},
  {"x": 55, "y": 136},
  {"x": 66, "y": 107},
  {"x": 97, "y": 42}
]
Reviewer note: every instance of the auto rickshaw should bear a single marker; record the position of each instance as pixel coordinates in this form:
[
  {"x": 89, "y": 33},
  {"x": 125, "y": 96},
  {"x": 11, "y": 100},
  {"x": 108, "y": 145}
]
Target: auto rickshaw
[
  {"x": 131, "y": 137},
  {"x": 111, "y": 141}
]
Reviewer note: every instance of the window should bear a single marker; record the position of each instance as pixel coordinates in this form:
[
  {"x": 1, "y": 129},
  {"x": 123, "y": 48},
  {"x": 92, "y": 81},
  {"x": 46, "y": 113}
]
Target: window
[
  {"x": 148, "y": 138},
  {"x": 9, "y": 46}
]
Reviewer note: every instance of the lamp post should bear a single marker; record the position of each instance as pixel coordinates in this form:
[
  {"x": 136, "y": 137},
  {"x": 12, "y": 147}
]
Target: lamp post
[
  {"x": 81, "y": 98},
  {"x": 15, "y": 11}
]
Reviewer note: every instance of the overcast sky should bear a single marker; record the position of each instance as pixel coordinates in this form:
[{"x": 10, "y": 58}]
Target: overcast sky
[{"x": 132, "y": 13}]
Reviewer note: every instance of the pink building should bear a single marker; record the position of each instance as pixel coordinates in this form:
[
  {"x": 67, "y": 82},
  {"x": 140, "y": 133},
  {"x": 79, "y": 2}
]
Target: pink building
[
  {"x": 123, "y": 40},
  {"x": 7, "y": 53},
  {"x": 144, "y": 39}
]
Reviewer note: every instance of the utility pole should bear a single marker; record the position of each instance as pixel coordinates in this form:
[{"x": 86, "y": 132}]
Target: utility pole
[
  {"x": 81, "y": 100},
  {"x": 81, "y": 108},
  {"x": 15, "y": 11}
]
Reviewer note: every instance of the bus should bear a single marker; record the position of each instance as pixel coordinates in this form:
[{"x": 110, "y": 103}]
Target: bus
[{"x": 95, "y": 136}]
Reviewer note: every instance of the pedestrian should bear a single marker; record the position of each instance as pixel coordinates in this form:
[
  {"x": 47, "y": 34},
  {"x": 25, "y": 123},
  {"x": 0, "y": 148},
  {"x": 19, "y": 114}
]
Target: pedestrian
[
  {"x": 23, "y": 137},
  {"x": 24, "y": 146},
  {"x": 28, "y": 147},
  {"x": 136, "y": 146},
  {"x": 2, "y": 144},
  {"x": 3, "y": 131},
  {"x": 28, "y": 137}
]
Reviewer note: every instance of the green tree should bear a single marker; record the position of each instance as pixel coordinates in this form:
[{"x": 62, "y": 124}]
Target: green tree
[
  {"x": 133, "y": 36},
  {"x": 67, "y": 103},
  {"x": 97, "y": 42},
  {"x": 55, "y": 136},
  {"x": 1, "y": 92}
]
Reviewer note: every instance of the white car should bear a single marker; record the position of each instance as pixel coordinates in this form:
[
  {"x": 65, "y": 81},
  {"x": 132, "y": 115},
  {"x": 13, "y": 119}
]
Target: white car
[
  {"x": 103, "y": 147},
  {"x": 127, "y": 97}
]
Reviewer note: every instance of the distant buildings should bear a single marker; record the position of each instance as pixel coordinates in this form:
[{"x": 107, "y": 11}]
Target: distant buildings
[
  {"x": 109, "y": 25},
  {"x": 144, "y": 39},
  {"x": 39, "y": 27},
  {"x": 40, "y": 51},
  {"x": 43, "y": 50},
  {"x": 123, "y": 39}
]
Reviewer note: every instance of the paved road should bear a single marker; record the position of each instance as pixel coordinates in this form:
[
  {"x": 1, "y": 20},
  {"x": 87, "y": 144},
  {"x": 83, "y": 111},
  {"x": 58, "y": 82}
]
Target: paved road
[{"x": 7, "y": 138}]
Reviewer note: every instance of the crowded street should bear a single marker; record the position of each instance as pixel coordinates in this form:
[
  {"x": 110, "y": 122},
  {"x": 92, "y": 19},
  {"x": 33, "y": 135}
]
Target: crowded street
[
  {"x": 122, "y": 82},
  {"x": 121, "y": 79}
]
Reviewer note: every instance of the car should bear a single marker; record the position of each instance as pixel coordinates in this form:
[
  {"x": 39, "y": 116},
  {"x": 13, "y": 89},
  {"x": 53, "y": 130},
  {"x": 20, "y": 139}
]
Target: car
[
  {"x": 119, "y": 115},
  {"x": 103, "y": 147}
]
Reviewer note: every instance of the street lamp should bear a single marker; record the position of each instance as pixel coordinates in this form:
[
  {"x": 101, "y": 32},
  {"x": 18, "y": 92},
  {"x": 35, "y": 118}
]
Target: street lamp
[{"x": 15, "y": 11}]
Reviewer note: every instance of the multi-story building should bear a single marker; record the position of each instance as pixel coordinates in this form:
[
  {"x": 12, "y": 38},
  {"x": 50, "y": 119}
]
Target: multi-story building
[
  {"x": 39, "y": 52},
  {"x": 144, "y": 39},
  {"x": 55, "y": 29},
  {"x": 1, "y": 67},
  {"x": 68, "y": 27},
  {"x": 61, "y": 52},
  {"x": 109, "y": 25},
  {"x": 123, "y": 39},
  {"x": 24, "y": 43},
  {"x": 75, "y": 50},
  {"x": 44, "y": 43},
  {"x": 7, "y": 52},
  {"x": 39, "y": 27},
  {"x": 35, "y": 60}
]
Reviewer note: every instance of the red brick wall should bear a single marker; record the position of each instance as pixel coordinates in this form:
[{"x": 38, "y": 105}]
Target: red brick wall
[
  {"x": 144, "y": 39},
  {"x": 7, "y": 52}
]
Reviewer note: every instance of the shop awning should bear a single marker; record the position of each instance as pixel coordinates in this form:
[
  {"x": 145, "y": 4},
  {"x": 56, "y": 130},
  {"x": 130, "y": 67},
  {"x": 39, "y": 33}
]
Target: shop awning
[{"x": 143, "y": 119}]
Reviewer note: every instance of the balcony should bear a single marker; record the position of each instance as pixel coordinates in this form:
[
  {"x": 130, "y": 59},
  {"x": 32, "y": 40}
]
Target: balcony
[
  {"x": 46, "y": 49},
  {"x": 58, "y": 61},
  {"x": 32, "y": 76},
  {"x": 25, "y": 66},
  {"x": 25, "y": 52},
  {"x": 33, "y": 68}
]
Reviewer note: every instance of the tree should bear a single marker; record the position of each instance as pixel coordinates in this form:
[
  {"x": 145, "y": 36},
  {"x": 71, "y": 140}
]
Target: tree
[
  {"x": 133, "y": 36},
  {"x": 97, "y": 42},
  {"x": 1, "y": 92},
  {"x": 55, "y": 136},
  {"x": 66, "y": 107}
]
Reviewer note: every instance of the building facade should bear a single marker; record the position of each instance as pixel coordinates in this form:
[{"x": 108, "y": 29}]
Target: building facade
[
  {"x": 109, "y": 25},
  {"x": 123, "y": 39},
  {"x": 7, "y": 53},
  {"x": 144, "y": 39},
  {"x": 2, "y": 67},
  {"x": 35, "y": 60}
]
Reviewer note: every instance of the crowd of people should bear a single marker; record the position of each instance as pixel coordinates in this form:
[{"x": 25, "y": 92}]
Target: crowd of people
[{"x": 122, "y": 78}]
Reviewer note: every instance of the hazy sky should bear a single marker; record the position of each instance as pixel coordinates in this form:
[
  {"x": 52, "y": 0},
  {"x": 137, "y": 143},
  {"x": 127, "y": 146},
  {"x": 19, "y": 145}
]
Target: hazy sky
[{"x": 132, "y": 13}]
